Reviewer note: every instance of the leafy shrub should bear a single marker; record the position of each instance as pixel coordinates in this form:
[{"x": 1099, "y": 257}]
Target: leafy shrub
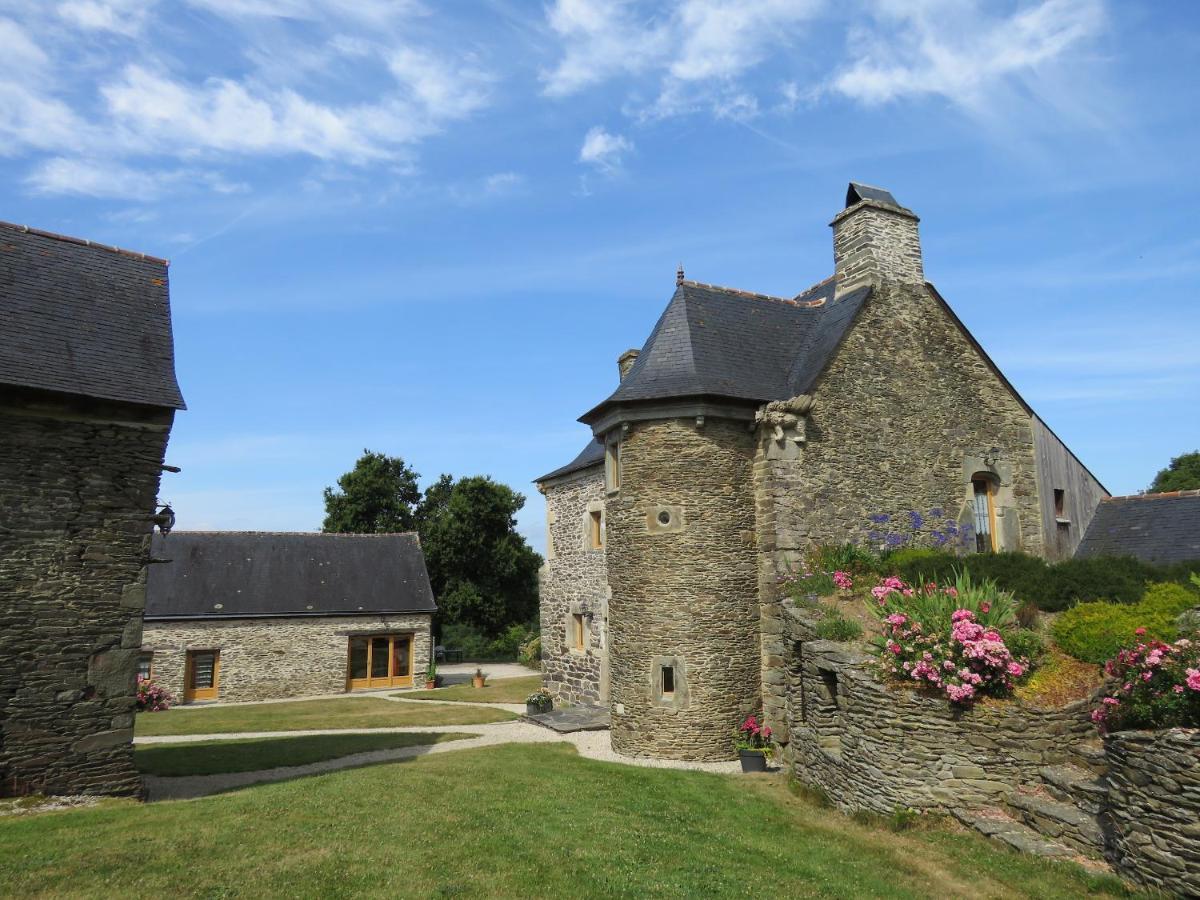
[
  {"x": 920, "y": 564},
  {"x": 1159, "y": 687},
  {"x": 152, "y": 696},
  {"x": 934, "y": 605},
  {"x": 1024, "y": 643},
  {"x": 1095, "y": 632},
  {"x": 477, "y": 646},
  {"x": 1121, "y": 579},
  {"x": 836, "y": 627},
  {"x": 842, "y": 558},
  {"x": 530, "y": 653}
]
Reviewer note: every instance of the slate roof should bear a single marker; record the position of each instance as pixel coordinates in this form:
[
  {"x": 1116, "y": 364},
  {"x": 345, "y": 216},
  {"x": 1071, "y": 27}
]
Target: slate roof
[
  {"x": 1156, "y": 528},
  {"x": 246, "y": 574},
  {"x": 727, "y": 344},
  {"x": 85, "y": 319},
  {"x": 591, "y": 455},
  {"x": 859, "y": 192}
]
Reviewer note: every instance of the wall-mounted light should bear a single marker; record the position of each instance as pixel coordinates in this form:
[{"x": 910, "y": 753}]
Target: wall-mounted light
[{"x": 164, "y": 519}]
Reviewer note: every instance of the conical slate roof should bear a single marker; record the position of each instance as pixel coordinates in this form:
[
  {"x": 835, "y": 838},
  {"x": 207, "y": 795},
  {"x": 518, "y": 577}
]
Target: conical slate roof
[{"x": 723, "y": 343}]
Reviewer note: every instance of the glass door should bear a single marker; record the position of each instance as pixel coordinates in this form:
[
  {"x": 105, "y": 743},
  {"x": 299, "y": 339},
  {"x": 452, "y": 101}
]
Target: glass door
[
  {"x": 380, "y": 661},
  {"x": 202, "y": 676}
]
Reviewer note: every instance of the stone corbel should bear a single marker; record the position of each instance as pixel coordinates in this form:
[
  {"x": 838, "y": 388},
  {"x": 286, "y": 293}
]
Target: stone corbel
[{"x": 786, "y": 420}]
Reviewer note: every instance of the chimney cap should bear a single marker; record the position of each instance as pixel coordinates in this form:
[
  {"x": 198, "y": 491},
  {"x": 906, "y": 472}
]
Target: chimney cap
[{"x": 857, "y": 192}]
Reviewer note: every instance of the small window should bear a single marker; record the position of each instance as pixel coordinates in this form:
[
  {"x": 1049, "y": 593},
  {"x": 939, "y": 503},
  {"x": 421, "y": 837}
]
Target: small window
[
  {"x": 145, "y": 666},
  {"x": 577, "y": 631},
  {"x": 984, "y": 514},
  {"x": 612, "y": 465},
  {"x": 596, "y": 529},
  {"x": 668, "y": 681},
  {"x": 1060, "y": 503}
]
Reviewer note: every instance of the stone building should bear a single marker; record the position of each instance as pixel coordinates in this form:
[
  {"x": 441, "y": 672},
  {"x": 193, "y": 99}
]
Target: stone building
[
  {"x": 1160, "y": 529},
  {"x": 749, "y": 428},
  {"x": 255, "y": 615},
  {"x": 87, "y": 398}
]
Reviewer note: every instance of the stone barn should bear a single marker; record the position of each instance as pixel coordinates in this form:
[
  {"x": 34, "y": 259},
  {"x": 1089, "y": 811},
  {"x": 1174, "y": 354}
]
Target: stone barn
[
  {"x": 745, "y": 430},
  {"x": 255, "y": 615},
  {"x": 87, "y": 398}
]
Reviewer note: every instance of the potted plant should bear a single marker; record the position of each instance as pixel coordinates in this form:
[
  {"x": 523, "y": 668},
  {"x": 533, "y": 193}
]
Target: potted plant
[
  {"x": 538, "y": 702},
  {"x": 753, "y": 743},
  {"x": 479, "y": 678},
  {"x": 431, "y": 676}
]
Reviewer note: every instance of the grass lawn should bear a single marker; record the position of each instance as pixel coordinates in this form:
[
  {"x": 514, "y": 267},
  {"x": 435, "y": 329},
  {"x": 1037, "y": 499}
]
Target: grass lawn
[
  {"x": 304, "y": 715},
  {"x": 252, "y": 754},
  {"x": 505, "y": 690},
  {"x": 508, "y": 821}
]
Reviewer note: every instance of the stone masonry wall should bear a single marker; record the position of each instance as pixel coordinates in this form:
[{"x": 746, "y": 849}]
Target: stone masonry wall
[
  {"x": 1154, "y": 807},
  {"x": 262, "y": 659},
  {"x": 876, "y": 747},
  {"x": 574, "y": 580},
  {"x": 78, "y": 484},
  {"x": 684, "y": 589},
  {"x": 872, "y": 241}
]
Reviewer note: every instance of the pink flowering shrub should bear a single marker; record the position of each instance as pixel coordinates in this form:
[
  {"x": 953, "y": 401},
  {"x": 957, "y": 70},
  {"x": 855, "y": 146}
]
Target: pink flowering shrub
[
  {"x": 947, "y": 638},
  {"x": 1157, "y": 685},
  {"x": 151, "y": 696},
  {"x": 843, "y": 581},
  {"x": 753, "y": 735}
]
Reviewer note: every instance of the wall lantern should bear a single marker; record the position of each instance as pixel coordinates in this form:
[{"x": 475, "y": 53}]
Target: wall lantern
[{"x": 164, "y": 519}]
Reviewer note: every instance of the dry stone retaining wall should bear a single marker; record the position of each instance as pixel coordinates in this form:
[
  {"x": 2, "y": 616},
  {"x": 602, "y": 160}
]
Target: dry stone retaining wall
[
  {"x": 78, "y": 483},
  {"x": 1154, "y": 807},
  {"x": 876, "y": 747},
  {"x": 263, "y": 659},
  {"x": 574, "y": 580}
]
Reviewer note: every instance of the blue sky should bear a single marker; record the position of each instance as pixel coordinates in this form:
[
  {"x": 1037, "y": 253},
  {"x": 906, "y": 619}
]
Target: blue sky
[{"x": 430, "y": 228}]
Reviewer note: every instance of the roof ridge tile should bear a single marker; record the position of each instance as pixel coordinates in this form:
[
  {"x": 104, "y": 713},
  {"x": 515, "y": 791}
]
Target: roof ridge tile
[{"x": 83, "y": 242}]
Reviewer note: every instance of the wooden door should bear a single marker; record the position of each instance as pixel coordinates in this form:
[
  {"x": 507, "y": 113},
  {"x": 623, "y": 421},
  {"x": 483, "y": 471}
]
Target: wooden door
[
  {"x": 380, "y": 661},
  {"x": 203, "y": 675}
]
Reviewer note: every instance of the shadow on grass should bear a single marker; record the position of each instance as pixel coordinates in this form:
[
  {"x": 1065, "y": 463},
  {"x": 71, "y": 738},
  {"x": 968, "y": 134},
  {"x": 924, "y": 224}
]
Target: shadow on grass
[{"x": 179, "y": 771}]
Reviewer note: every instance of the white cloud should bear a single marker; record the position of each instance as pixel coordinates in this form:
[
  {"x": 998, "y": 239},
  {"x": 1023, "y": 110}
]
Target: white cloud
[
  {"x": 104, "y": 178},
  {"x": 120, "y": 16},
  {"x": 695, "y": 50},
  {"x": 604, "y": 150},
  {"x": 958, "y": 50}
]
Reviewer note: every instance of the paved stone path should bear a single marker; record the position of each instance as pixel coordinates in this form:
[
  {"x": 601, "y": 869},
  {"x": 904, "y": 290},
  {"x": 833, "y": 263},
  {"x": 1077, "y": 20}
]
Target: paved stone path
[{"x": 589, "y": 744}]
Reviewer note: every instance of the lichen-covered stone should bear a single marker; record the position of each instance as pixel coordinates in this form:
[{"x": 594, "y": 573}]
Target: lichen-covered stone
[
  {"x": 574, "y": 581},
  {"x": 78, "y": 482}
]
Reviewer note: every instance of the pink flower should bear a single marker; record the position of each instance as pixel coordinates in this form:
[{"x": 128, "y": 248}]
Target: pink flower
[
  {"x": 1016, "y": 670},
  {"x": 953, "y": 592},
  {"x": 1193, "y": 679},
  {"x": 1178, "y": 689},
  {"x": 985, "y": 607},
  {"x": 1139, "y": 631},
  {"x": 842, "y": 580}
]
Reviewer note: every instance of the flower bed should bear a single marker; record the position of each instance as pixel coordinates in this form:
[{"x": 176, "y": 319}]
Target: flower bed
[
  {"x": 1156, "y": 685},
  {"x": 948, "y": 638},
  {"x": 152, "y": 697}
]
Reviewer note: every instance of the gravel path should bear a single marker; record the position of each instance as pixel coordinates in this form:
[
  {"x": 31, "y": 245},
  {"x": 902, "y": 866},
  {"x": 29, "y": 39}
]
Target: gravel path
[{"x": 589, "y": 744}]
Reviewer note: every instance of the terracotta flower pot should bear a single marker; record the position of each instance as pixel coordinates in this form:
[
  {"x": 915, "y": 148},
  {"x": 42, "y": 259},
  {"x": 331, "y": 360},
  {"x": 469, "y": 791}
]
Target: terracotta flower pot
[
  {"x": 430, "y": 684},
  {"x": 478, "y": 681}
]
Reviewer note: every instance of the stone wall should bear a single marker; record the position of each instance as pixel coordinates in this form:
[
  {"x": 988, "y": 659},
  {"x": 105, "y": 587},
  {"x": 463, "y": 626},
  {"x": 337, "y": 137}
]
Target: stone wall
[
  {"x": 873, "y": 241},
  {"x": 574, "y": 581},
  {"x": 904, "y": 415},
  {"x": 681, "y": 564},
  {"x": 78, "y": 483},
  {"x": 877, "y": 747},
  {"x": 1154, "y": 807},
  {"x": 263, "y": 659}
]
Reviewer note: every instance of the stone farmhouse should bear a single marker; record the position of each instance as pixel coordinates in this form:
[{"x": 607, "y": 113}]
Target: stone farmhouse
[
  {"x": 87, "y": 398},
  {"x": 1156, "y": 528},
  {"x": 750, "y": 427},
  {"x": 257, "y": 615}
]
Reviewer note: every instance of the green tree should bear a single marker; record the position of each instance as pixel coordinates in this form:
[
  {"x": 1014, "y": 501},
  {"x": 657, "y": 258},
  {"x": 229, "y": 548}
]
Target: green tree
[
  {"x": 380, "y": 494},
  {"x": 483, "y": 573},
  {"x": 1183, "y": 474}
]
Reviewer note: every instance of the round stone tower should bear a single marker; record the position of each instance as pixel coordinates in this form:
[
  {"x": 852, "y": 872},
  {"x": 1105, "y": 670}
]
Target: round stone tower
[{"x": 684, "y": 616}]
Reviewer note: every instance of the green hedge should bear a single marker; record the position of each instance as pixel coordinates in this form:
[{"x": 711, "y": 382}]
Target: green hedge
[
  {"x": 1094, "y": 632},
  {"x": 1052, "y": 586}
]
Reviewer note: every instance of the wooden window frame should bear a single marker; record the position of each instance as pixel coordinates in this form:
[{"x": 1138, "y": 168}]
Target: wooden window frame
[
  {"x": 578, "y": 633},
  {"x": 392, "y": 679},
  {"x": 612, "y": 465},
  {"x": 989, "y": 492},
  {"x": 595, "y": 529},
  {"x": 148, "y": 655},
  {"x": 191, "y": 693}
]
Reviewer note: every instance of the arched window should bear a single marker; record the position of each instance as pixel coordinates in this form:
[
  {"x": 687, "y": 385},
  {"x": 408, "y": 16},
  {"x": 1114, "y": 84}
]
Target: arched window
[{"x": 983, "y": 490}]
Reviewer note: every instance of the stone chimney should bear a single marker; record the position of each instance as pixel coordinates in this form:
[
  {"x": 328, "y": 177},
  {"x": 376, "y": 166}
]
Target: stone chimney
[
  {"x": 875, "y": 239},
  {"x": 625, "y": 362}
]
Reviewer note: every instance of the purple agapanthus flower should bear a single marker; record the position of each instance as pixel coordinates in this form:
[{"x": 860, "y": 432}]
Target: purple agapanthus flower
[
  {"x": 895, "y": 540},
  {"x": 915, "y": 519},
  {"x": 936, "y": 513},
  {"x": 939, "y": 539},
  {"x": 881, "y": 518},
  {"x": 874, "y": 537},
  {"x": 951, "y": 527}
]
